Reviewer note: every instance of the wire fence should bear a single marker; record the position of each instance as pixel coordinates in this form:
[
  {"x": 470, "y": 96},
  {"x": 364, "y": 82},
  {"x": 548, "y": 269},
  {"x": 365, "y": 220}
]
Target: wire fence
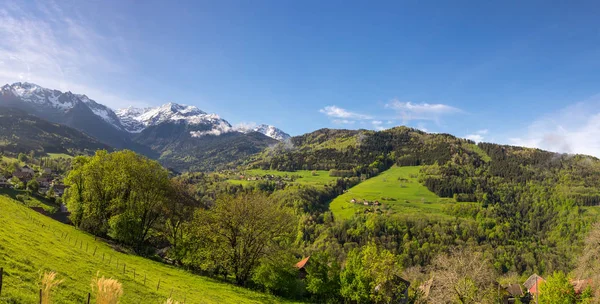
[{"x": 110, "y": 259}]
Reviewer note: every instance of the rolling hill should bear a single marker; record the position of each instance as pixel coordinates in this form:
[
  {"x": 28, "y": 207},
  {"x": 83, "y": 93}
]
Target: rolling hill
[{"x": 31, "y": 243}]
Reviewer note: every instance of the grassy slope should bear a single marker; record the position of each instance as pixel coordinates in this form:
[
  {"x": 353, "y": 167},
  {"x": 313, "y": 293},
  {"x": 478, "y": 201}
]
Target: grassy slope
[
  {"x": 305, "y": 177},
  {"x": 27, "y": 247},
  {"x": 59, "y": 155},
  {"x": 403, "y": 197}
]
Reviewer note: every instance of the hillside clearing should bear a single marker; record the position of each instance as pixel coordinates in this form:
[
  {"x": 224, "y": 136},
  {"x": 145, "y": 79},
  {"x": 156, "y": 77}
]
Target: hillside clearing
[
  {"x": 397, "y": 189},
  {"x": 31, "y": 243},
  {"x": 304, "y": 177}
]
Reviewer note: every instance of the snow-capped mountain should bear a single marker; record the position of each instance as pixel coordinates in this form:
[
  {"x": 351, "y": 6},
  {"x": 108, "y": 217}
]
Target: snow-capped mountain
[
  {"x": 44, "y": 100},
  {"x": 272, "y": 132},
  {"x": 135, "y": 120}
]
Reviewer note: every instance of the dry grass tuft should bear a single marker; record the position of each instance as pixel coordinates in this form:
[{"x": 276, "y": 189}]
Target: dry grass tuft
[
  {"x": 49, "y": 282},
  {"x": 171, "y": 301},
  {"x": 107, "y": 291}
]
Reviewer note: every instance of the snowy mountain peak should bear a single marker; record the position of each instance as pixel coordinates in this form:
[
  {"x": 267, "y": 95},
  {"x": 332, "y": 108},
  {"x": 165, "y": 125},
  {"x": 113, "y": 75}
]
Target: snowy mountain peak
[
  {"x": 272, "y": 132},
  {"x": 268, "y": 130},
  {"x": 136, "y": 120},
  {"x": 43, "y": 99}
]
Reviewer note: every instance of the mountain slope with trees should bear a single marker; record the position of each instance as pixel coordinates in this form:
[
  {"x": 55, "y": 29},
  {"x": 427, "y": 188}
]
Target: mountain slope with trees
[{"x": 23, "y": 133}]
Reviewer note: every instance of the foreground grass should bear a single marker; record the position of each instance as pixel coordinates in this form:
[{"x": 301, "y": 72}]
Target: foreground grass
[
  {"x": 397, "y": 189},
  {"x": 304, "y": 177},
  {"x": 31, "y": 243}
]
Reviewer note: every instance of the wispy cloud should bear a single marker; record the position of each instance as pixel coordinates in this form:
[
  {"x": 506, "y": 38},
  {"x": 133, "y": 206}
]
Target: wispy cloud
[
  {"x": 574, "y": 129},
  {"x": 337, "y": 112},
  {"x": 343, "y": 122},
  {"x": 408, "y": 111},
  {"x": 49, "y": 46}
]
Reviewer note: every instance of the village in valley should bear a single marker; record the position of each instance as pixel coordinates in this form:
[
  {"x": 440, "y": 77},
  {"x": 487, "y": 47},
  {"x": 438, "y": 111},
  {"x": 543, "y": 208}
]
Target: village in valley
[{"x": 35, "y": 180}]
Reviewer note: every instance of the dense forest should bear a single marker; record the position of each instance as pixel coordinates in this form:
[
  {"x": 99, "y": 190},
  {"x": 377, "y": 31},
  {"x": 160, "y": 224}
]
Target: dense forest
[{"x": 528, "y": 211}]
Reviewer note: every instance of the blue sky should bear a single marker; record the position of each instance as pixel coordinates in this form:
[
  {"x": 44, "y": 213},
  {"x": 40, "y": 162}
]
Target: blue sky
[{"x": 514, "y": 72}]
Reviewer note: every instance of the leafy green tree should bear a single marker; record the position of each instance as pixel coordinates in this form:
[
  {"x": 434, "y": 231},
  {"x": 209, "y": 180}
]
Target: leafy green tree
[
  {"x": 323, "y": 278},
  {"x": 16, "y": 183},
  {"x": 22, "y": 157},
  {"x": 178, "y": 212},
  {"x": 238, "y": 232},
  {"x": 277, "y": 275},
  {"x": 372, "y": 275},
  {"x": 557, "y": 290},
  {"x": 120, "y": 194},
  {"x": 33, "y": 186}
]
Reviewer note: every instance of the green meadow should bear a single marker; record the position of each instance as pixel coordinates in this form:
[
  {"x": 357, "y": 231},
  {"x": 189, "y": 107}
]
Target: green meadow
[
  {"x": 59, "y": 155},
  {"x": 305, "y": 177},
  {"x": 31, "y": 243},
  {"x": 397, "y": 189}
]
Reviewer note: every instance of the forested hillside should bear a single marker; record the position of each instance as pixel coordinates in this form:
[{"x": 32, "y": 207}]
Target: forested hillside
[
  {"x": 509, "y": 211},
  {"x": 22, "y": 133}
]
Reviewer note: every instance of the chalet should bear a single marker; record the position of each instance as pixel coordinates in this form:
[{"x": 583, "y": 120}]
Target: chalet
[
  {"x": 4, "y": 182},
  {"x": 512, "y": 293},
  {"x": 59, "y": 189},
  {"x": 353, "y": 201},
  {"x": 533, "y": 284},
  {"x": 43, "y": 182},
  {"x": 376, "y": 203},
  {"x": 302, "y": 267},
  {"x": 366, "y": 203},
  {"x": 27, "y": 169},
  {"x": 47, "y": 172},
  {"x": 23, "y": 176}
]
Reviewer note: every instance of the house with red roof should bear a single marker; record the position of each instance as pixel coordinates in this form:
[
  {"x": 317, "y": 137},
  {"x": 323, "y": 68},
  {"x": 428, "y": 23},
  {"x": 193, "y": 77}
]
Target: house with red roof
[{"x": 302, "y": 267}]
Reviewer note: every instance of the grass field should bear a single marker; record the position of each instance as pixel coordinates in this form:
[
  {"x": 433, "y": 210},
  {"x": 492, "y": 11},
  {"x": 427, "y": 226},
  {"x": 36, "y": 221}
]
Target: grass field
[
  {"x": 31, "y": 243},
  {"x": 397, "y": 189},
  {"x": 305, "y": 177},
  {"x": 59, "y": 155}
]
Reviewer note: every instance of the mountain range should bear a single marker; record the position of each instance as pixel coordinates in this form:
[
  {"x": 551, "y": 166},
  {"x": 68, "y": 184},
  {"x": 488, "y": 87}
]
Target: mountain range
[{"x": 183, "y": 137}]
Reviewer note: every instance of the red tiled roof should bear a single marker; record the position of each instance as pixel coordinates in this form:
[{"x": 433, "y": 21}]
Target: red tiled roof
[
  {"x": 536, "y": 286},
  {"x": 302, "y": 263}
]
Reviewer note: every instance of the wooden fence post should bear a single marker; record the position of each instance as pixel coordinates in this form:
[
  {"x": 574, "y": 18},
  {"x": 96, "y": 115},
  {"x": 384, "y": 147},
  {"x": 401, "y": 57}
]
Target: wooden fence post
[
  {"x": 40, "y": 296},
  {"x": 124, "y": 265},
  {"x": 95, "y": 250},
  {"x": 158, "y": 286},
  {"x": 1, "y": 273},
  {"x": 89, "y": 297}
]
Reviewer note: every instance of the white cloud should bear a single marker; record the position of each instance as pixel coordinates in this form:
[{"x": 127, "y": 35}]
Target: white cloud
[
  {"x": 408, "y": 111},
  {"x": 574, "y": 129},
  {"x": 59, "y": 49},
  {"x": 337, "y": 112},
  {"x": 478, "y": 136},
  {"x": 474, "y": 137},
  {"x": 245, "y": 126},
  {"x": 377, "y": 122}
]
